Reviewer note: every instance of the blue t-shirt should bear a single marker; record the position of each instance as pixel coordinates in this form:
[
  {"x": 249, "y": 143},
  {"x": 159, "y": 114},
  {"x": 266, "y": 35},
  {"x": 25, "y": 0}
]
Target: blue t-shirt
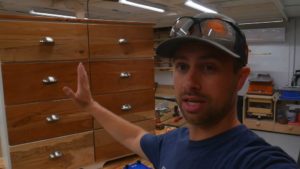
[{"x": 238, "y": 148}]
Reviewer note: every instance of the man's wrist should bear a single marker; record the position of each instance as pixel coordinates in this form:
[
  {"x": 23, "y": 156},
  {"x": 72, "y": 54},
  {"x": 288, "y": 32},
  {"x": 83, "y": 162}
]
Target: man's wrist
[{"x": 91, "y": 106}]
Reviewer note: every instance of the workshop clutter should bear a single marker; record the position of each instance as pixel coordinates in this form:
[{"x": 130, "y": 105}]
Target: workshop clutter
[{"x": 268, "y": 109}]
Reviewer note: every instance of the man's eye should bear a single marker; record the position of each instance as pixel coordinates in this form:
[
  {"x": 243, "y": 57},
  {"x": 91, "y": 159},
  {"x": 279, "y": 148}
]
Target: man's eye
[
  {"x": 181, "y": 67},
  {"x": 209, "y": 68}
]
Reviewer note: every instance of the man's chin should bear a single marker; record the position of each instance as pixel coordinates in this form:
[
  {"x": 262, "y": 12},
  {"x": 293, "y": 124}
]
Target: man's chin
[
  {"x": 200, "y": 121},
  {"x": 193, "y": 118}
]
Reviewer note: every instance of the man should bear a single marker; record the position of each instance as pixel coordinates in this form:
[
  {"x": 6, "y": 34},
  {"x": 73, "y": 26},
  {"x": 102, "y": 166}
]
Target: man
[{"x": 210, "y": 56}]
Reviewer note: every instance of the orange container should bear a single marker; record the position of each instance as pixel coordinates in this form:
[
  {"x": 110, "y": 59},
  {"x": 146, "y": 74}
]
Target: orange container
[{"x": 264, "y": 88}]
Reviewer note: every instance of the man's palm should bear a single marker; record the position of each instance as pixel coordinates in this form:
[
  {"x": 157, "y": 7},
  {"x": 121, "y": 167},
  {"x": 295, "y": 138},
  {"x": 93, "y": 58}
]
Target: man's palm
[{"x": 83, "y": 94}]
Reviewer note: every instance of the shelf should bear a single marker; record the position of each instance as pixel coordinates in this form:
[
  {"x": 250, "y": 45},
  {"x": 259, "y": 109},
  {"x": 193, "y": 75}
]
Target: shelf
[
  {"x": 266, "y": 125},
  {"x": 161, "y": 39},
  {"x": 165, "y": 91},
  {"x": 287, "y": 128},
  {"x": 164, "y": 69},
  {"x": 260, "y": 96}
]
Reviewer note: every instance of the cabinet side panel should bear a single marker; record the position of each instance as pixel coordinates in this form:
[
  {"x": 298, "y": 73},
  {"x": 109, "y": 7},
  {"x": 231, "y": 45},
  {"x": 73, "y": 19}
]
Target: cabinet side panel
[{"x": 3, "y": 127}]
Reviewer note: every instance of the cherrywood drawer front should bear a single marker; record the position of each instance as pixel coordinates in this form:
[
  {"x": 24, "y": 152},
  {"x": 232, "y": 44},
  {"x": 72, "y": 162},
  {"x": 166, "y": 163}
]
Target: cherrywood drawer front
[
  {"x": 20, "y": 41},
  {"x": 31, "y": 82},
  {"x": 121, "y": 75},
  {"x": 72, "y": 152},
  {"x": 120, "y": 41},
  {"x": 259, "y": 124},
  {"x": 127, "y": 103},
  {"x": 37, "y": 121},
  {"x": 106, "y": 148},
  {"x": 132, "y": 117},
  {"x": 289, "y": 129}
]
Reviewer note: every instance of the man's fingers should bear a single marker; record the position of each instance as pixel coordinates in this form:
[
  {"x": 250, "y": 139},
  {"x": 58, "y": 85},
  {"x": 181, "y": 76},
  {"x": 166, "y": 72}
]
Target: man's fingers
[
  {"x": 83, "y": 81},
  {"x": 69, "y": 92}
]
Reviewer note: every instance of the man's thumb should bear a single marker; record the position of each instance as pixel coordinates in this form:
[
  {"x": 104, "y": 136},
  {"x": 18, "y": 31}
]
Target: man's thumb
[{"x": 69, "y": 92}]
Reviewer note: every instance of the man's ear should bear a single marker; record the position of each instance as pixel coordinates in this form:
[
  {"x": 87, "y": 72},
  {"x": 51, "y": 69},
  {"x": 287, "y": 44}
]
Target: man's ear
[{"x": 243, "y": 75}]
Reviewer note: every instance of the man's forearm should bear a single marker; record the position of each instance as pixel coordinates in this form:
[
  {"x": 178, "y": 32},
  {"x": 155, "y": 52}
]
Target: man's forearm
[{"x": 123, "y": 131}]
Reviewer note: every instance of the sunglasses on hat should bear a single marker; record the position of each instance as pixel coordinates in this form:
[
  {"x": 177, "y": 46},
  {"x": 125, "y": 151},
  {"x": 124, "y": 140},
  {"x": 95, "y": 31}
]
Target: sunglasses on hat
[{"x": 215, "y": 29}]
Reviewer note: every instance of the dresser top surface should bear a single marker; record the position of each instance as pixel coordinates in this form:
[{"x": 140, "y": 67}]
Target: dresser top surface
[{"x": 77, "y": 20}]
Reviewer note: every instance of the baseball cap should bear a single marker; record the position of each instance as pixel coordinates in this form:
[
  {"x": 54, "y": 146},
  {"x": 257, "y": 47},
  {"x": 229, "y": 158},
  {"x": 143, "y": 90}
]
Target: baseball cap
[{"x": 216, "y": 30}]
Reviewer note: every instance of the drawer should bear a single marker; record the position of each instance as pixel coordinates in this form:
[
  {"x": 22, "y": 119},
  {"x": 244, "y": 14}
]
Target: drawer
[
  {"x": 106, "y": 148},
  {"x": 127, "y": 103},
  {"x": 72, "y": 152},
  {"x": 43, "y": 120},
  {"x": 120, "y": 41},
  {"x": 121, "y": 75},
  {"x": 289, "y": 129},
  {"x": 133, "y": 117},
  {"x": 259, "y": 124},
  {"x": 30, "y": 82},
  {"x": 21, "y": 41}
]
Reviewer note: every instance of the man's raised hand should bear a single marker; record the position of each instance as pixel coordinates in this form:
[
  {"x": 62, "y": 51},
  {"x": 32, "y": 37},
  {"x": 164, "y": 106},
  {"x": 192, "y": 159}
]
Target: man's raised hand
[{"x": 83, "y": 95}]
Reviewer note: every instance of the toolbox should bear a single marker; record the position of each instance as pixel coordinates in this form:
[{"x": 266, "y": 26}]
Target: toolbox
[
  {"x": 290, "y": 93},
  {"x": 137, "y": 165},
  {"x": 262, "y": 84}
]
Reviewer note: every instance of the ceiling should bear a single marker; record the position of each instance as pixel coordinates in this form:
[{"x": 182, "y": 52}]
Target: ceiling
[{"x": 244, "y": 11}]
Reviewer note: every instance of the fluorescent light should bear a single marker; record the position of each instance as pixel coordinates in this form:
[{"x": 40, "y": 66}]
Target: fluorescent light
[
  {"x": 142, "y": 6},
  {"x": 263, "y": 22},
  {"x": 50, "y": 14},
  {"x": 199, "y": 7}
]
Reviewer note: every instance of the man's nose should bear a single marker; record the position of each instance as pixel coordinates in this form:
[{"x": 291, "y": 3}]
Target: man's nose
[{"x": 193, "y": 79}]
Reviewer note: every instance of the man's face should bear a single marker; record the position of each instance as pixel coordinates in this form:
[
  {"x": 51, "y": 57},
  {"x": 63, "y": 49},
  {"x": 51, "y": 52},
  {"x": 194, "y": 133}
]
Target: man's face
[{"x": 205, "y": 84}]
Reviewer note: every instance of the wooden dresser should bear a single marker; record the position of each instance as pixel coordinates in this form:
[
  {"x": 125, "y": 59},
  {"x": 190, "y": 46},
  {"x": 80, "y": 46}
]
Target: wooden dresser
[{"x": 39, "y": 56}]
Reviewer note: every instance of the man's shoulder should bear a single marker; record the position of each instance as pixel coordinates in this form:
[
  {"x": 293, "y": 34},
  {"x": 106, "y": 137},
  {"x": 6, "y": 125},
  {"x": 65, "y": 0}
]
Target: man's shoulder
[
  {"x": 181, "y": 133},
  {"x": 248, "y": 150},
  {"x": 258, "y": 154},
  {"x": 172, "y": 135}
]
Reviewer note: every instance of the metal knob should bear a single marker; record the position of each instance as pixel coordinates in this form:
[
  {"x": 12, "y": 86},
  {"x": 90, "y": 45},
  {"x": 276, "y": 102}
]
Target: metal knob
[
  {"x": 47, "y": 40},
  {"x": 52, "y": 118},
  {"x": 55, "y": 154},
  {"x": 125, "y": 75},
  {"x": 258, "y": 124},
  {"x": 49, "y": 80},
  {"x": 126, "y": 107},
  {"x": 122, "y": 41}
]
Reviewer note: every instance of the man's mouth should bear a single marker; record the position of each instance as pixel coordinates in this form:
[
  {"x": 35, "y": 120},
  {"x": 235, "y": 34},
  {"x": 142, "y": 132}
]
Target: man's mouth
[{"x": 193, "y": 104}]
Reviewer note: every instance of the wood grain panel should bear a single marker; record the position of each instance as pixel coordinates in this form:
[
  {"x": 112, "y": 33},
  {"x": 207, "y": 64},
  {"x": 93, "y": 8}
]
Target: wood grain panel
[
  {"x": 132, "y": 117},
  {"x": 104, "y": 39},
  {"x": 106, "y": 148},
  {"x": 28, "y": 122},
  {"x": 23, "y": 81},
  {"x": 77, "y": 151},
  {"x": 105, "y": 75},
  {"x": 20, "y": 41},
  {"x": 140, "y": 101}
]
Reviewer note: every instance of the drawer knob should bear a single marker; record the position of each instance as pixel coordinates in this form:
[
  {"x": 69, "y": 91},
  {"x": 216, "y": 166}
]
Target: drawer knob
[
  {"x": 47, "y": 40},
  {"x": 125, "y": 75},
  {"x": 258, "y": 124},
  {"x": 290, "y": 128},
  {"x": 122, "y": 41},
  {"x": 126, "y": 107},
  {"x": 49, "y": 80},
  {"x": 52, "y": 118},
  {"x": 55, "y": 154}
]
